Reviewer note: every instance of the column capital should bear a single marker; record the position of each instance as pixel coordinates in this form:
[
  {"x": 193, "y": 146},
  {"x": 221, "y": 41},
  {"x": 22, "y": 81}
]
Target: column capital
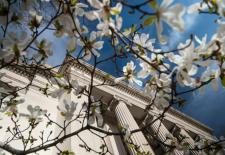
[
  {"x": 115, "y": 101},
  {"x": 119, "y": 98}
]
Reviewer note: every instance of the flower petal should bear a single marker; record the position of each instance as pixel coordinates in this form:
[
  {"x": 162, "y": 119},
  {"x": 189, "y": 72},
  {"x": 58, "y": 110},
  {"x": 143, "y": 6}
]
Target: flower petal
[
  {"x": 98, "y": 45},
  {"x": 117, "y": 80},
  {"x": 95, "y": 4},
  {"x": 166, "y": 3}
]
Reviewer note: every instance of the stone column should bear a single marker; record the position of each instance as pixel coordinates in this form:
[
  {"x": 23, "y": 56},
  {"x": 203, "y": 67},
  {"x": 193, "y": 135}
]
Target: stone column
[
  {"x": 124, "y": 117},
  {"x": 161, "y": 131},
  {"x": 189, "y": 140}
]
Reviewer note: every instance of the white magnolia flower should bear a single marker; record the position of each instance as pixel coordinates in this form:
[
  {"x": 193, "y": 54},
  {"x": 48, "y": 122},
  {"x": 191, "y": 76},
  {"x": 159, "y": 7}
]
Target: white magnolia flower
[
  {"x": 221, "y": 7},
  {"x": 72, "y": 44},
  {"x": 13, "y": 45},
  {"x": 211, "y": 73},
  {"x": 11, "y": 107},
  {"x": 58, "y": 92},
  {"x": 79, "y": 9},
  {"x": 44, "y": 48},
  {"x": 219, "y": 36},
  {"x": 156, "y": 63},
  {"x": 142, "y": 42},
  {"x": 104, "y": 11},
  {"x": 162, "y": 101},
  {"x": 172, "y": 15},
  {"x": 202, "y": 44},
  {"x": 35, "y": 114},
  {"x": 147, "y": 69},
  {"x": 95, "y": 112},
  {"x": 67, "y": 110},
  {"x": 104, "y": 26},
  {"x": 201, "y": 143},
  {"x": 65, "y": 26},
  {"x": 35, "y": 20},
  {"x": 91, "y": 46},
  {"x": 185, "y": 67},
  {"x": 78, "y": 89},
  {"x": 65, "y": 88},
  {"x": 129, "y": 74},
  {"x": 196, "y": 7}
]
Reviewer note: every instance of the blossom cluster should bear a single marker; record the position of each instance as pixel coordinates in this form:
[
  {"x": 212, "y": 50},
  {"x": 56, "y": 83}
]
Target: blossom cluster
[{"x": 90, "y": 27}]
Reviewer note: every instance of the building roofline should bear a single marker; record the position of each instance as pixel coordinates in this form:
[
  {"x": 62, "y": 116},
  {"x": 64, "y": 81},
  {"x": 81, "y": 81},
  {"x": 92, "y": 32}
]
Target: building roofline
[
  {"x": 109, "y": 79},
  {"x": 101, "y": 75}
]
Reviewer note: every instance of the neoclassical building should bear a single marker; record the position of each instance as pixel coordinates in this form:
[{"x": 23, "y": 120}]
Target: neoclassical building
[{"x": 125, "y": 106}]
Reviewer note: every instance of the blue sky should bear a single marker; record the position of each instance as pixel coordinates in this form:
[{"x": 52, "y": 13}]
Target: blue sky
[{"x": 208, "y": 108}]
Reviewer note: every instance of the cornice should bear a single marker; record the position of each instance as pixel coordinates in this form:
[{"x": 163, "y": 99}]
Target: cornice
[
  {"x": 26, "y": 71},
  {"x": 102, "y": 76},
  {"x": 187, "y": 118},
  {"x": 122, "y": 86}
]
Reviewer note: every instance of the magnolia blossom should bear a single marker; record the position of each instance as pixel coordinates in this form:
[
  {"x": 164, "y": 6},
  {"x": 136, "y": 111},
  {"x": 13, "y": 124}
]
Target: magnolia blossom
[
  {"x": 104, "y": 11},
  {"x": 79, "y": 9},
  {"x": 196, "y": 7},
  {"x": 35, "y": 114},
  {"x": 72, "y": 44},
  {"x": 13, "y": 45},
  {"x": 61, "y": 84},
  {"x": 219, "y": 36},
  {"x": 161, "y": 98},
  {"x": 221, "y": 7},
  {"x": 11, "y": 107},
  {"x": 172, "y": 15},
  {"x": 211, "y": 73},
  {"x": 185, "y": 67},
  {"x": 105, "y": 26},
  {"x": 202, "y": 43},
  {"x": 129, "y": 74},
  {"x": 155, "y": 63},
  {"x": 64, "y": 88},
  {"x": 44, "y": 48},
  {"x": 146, "y": 70},
  {"x": 159, "y": 89},
  {"x": 65, "y": 25},
  {"x": 104, "y": 14},
  {"x": 95, "y": 112},
  {"x": 91, "y": 46},
  {"x": 201, "y": 143},
  {"x": 35, "y": 20},
  {"x": 67, "y": 110},
  {"x": 142, "y": 42}
]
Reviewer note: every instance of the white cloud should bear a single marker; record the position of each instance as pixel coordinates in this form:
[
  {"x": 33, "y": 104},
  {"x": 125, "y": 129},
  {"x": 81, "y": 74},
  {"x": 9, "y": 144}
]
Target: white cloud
[{"x": 175, "y": 37}]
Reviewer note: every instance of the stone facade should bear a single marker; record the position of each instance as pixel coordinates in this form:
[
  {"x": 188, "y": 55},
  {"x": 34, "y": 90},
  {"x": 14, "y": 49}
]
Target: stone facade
[{"x": 126, "y": 106}]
